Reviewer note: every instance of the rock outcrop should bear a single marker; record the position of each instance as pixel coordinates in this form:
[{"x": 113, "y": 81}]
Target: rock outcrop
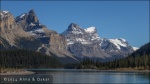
[{"x": 10, "y": 31}]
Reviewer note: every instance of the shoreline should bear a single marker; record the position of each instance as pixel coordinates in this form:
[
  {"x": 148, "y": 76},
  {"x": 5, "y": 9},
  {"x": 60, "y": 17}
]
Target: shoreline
[
  {"x": 26, "y": 72},
  {"x": 15, "y": 72},
  {"x": 133, "y": 69},
  {"x": 126, "y": 70}
]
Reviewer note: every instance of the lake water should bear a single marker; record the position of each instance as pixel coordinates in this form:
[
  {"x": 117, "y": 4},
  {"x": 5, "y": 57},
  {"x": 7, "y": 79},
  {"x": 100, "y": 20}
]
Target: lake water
[{"x": 92, "y": 76}]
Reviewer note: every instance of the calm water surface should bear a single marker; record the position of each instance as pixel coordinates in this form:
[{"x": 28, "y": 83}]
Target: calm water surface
[{"x": 94, "y": 76}]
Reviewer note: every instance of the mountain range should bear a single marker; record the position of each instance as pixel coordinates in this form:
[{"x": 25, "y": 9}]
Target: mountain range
[{"x": 74, "y": 44}]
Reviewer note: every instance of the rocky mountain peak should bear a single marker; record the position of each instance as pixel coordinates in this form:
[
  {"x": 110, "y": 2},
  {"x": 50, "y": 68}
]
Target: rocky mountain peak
[
  {"x": 31, "y": 11},
  {"x": 32, "y": 17},
  {"x": 30, "y": 23},
  {"x": 29, "y": 17},
  {"x": 76, "y": 34},
  {"x": 73, "y": 27}
]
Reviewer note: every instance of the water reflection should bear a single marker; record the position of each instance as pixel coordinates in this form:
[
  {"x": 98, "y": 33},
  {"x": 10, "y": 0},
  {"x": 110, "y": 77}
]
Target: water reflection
[{"x": 93, "y": 76}]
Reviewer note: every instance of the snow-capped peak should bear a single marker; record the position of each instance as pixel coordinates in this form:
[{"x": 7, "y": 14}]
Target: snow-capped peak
[
  {"x": 90, "y": 29},
  {"x": 122, "y": 39},
  {"x": 119, "y": 42},
  {"x": 74, "y": 29}
]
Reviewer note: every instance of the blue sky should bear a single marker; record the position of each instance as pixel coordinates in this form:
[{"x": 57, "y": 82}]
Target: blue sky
[{"x": 113, "y": 19}]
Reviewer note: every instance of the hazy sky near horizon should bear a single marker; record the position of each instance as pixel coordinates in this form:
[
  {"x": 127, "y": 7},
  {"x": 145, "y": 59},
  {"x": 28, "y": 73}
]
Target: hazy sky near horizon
[{"x": 113, "y": 19}]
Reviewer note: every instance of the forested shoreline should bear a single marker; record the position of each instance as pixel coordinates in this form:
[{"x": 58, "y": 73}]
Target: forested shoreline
[
  {"x": 138, "y": 63},
  {"x": 25, "y": 59},
  {"x": 21, "y": 58},
  {"x": 30, "y": 59}
]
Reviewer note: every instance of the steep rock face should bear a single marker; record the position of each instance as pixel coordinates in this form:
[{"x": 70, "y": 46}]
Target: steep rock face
[
  {"x": 4, "y": 44},
  {"x": 57, "y": 42},
  {"x": 87, "y": 50},
  {"x": 10, "y": 31}
]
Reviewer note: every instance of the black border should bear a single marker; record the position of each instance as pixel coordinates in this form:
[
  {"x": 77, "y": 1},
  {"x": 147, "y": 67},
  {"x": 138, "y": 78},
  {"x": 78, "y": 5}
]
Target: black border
[{"x": 74, "y": 0}]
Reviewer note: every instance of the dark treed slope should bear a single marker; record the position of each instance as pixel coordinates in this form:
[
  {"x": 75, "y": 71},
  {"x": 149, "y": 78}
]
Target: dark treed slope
[
  {"x": 27, "y": 59},
  {"x": 143, "y": 50}
]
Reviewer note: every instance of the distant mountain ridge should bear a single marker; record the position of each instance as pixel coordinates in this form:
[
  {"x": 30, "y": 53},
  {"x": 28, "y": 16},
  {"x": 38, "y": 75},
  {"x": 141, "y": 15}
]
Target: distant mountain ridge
[{"x": 75, "y": 43}]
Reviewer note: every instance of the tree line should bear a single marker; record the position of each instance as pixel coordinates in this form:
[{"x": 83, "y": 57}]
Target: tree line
[{"x": 139, "y": 62}]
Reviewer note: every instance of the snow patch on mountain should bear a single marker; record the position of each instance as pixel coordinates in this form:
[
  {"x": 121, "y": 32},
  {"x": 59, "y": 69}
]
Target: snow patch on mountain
[
  {"x": 77, "y": 32},
  {"x": 70, "y": 43},
  {"x": 90, "y": 29},
  {"x": 34, "y": 32},
  {"x": 118, "y": 42},
  {"x": 1, "y": 14},
  {"x": 39, "y": 30},
  {"x": 80, "y": 39},
  {"x": 123, "y": 39},
  {"x": 93, "y": 33},
  {"x": 21, "y": 16},
  {"x": 32, "y": 24},
  {"x": 5, "y": 12},
  {"x": 135, "y": 48}
]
